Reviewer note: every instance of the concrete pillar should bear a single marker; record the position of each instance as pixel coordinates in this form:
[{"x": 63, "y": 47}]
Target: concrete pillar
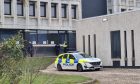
[
  {"x": 59, "y": 13},
  {"x": 135, "y": 3},
  {"x": 26, "y": 4},
  {"x": 1, "y": 11},
  {"x": 49, "y": 13},
  {"x": 14, "y": 10},
  {"x": 127, "y": 4},
  {"x": 38, "y": 12},
  {"x": 69, "y": 14},
  {"x": 115, "y": 6},
  {"x": 119, "y": 5},
  {"x": 79, "y": 10}
]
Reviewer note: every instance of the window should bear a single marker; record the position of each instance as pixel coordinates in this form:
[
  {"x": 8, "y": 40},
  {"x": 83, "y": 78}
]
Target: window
[
  {"x": 19, "y": 7},
  {"x": 53, "y": 10},
  {"x": 71, "y": 56},
  {"x": 133, "y": 47},
  {"x": 64, "y": 10},
  {"x": 7, "y": 7},
  {"x": 122, "y": 10},
  {"x": 32, "y": 8},
  {"x": 52, "y": 37},
  {"x": 61, "y": 57},
  {"x": 42, "y": 37},
  {"x": 83, "y": 43},
  {"x": 33, "y": 36},
  {"x": 115, "y": 44},
  {"x": 65, "y": 56},
  {"x": 73, "y": 11},
  {"x": 89, "y": 48},
  {"x": 42, "y": 9}
]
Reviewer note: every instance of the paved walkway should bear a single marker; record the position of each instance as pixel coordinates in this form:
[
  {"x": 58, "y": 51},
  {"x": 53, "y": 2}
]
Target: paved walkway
[{"x": 105, "y": 76}]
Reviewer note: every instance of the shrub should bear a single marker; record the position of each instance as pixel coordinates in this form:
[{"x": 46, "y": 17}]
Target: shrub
[{"x": 11, "y": 57}]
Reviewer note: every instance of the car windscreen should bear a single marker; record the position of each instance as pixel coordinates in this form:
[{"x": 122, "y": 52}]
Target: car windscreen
[
  {"x": 82, "y": 55},
  {"x": 85, "y": 55}
]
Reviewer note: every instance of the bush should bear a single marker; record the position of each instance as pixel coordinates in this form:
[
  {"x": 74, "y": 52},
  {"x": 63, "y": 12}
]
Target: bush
[{"x": 11, "y": 57}]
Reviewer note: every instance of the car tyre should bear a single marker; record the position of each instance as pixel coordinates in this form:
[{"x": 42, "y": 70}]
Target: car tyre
[
  {"x": 79, "y": 68},
  {"x": 97, "y": 69},
  {"x": 59, "y": 68}
]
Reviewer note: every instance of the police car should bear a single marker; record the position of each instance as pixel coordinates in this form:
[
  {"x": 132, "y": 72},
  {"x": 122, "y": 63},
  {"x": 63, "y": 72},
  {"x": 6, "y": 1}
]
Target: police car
[{"x": 77, "y": 61}]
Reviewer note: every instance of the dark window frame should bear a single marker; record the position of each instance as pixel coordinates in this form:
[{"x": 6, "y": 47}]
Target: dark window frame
[
  {"x": 73, "y": 8},
  {"x": 83, "y": 43},
  {"x": 125, "y": 46},
  {"x": 64, "y": 7},
  {"x": 94, "y": 38},
  {"x": 133, "y": 47},
  {"x": 32, "y": 3},
  {"x": 89, "y": 48},
  {"x": 22, "y": 12},
  {"x": 54, "y": 5},
  {"x": 9, "y": 2},
  {"x": 43, "y": 4},
  {"x": 115, "y": 46}
]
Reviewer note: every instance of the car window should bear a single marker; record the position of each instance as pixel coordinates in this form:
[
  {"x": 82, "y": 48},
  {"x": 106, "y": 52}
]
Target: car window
[
  {"x": 65, "y": 56},
  {"x": 82, "y": 55},
  {"x": 61, "y": 57},
  {"x": 85, "y": 55},
  {"x": 71, "y": 56}
]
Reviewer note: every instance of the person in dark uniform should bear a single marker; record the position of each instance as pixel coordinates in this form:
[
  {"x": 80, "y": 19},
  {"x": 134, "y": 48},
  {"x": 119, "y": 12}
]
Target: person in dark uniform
[
  {"x": 57, "y": 49},
  {"x": 24, "y": 49},
  {"x": 30, "y": 49}
]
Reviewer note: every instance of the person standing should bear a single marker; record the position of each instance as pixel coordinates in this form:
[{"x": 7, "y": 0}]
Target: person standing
[
  {"x": 57, "y": 49},
  {"x": 30, "y": 49},
  {"x": 65, "y": 46}
]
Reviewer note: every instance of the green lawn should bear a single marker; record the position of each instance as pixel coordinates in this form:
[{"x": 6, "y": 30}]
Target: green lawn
[
  {"x": 31, "y": 73},
  {"x": 57, "y": 79}
]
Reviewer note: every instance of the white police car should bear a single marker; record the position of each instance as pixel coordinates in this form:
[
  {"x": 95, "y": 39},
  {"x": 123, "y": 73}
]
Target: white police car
[{"x": 77, "y": 61}]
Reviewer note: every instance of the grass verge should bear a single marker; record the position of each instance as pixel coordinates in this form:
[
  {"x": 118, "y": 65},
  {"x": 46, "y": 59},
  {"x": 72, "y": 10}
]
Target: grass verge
[{"x": 31, "y": 74}]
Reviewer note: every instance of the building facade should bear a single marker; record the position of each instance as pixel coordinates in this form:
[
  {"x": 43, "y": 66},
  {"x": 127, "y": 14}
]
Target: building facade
[
  {"x": 117, "y": 6},
  {"x": 44, "y": 23},
  {"x": 112, "y": 38},
  {"x": 92, "y": 8}
]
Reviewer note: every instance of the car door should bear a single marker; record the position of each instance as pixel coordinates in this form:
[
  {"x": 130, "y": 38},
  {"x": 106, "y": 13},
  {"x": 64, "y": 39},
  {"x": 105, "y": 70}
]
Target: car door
[
  {"x": 72, "y": 63},
  {"x": 65, "y": 61}
]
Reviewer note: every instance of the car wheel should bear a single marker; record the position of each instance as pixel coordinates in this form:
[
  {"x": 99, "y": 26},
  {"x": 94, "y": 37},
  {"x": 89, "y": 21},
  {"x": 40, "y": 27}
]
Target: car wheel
[
  {"x": 97, "y": 69},
  {"x": 79, "y": 68},
  {"x": 59, "y": 68}
]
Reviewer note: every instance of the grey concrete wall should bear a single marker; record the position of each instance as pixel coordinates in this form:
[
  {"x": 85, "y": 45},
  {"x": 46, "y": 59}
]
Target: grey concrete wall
[
  {"x": 27, "y": 22},
  {"x": 102, "y": 26},
  {"x": 91, "y": 8}
]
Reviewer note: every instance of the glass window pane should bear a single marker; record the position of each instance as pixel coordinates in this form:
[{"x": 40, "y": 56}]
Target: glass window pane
[
  {"x": 32, "y": 9},
  {"x": 42, "y": 37},
  {"x": 52, "y": 37},
  {"x": 20, "y": 9},
  {"x": 43, "y": 9},
  {"x": 53, "y": 10},
  {"x": 73, "y": 11},
  {"x": 33, "y": 36},
  {"x": 64, "y": 10},
  {"x": 7, "y": 8}
]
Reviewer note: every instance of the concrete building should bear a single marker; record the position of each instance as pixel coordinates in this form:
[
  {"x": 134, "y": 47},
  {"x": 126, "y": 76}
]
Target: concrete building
[
  {"x": 92, "y": 8},
  {"x": 113, "y": 38},
  {"x": 43, "y": 22},
  {"x": 117, "y": 6}
]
